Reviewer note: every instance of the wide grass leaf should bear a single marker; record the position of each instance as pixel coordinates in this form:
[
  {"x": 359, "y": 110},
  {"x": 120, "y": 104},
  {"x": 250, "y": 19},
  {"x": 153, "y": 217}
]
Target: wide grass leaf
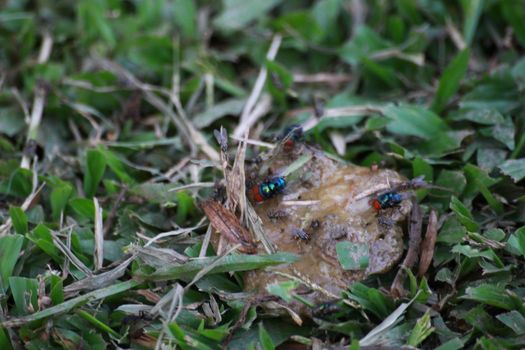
[
  {"x": 95, "y": 168},
  {"x": 19, "y": 220},
  {"x": 71, "y": 304},
  {"x": 452, "y": 344},
  {"x": 59, "y": 198},
  {"x": 264, "y": 339},
  {"x": 515, "y": 168},
  {"x": 514, "y": 320},
  {"x": 10, "y": 247},
  {"x": 229, "y": 263},
  {"x": 492, "y": 295},
  {"x": 450, "y": 80},
  {"x": 25, "y": 294},
  {"x": 464, "y": 215},
  {"x": 421, "y": 331},
  {"x": 97, "y": 323},
  {"x": 516, "y": 241},
  {"x": 236, "y": 14},
  {"x": 185, "y": 16},
  {"x": 413, "y": 120},
  {"x": 4, "y": 340},
  {"x": 472, "y": 10}
]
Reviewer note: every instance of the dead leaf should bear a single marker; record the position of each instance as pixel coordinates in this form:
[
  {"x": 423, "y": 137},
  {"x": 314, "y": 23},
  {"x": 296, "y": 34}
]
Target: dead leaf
[
  {"x": 427, "y": 246},
  {"x": 228, "y": 225}
]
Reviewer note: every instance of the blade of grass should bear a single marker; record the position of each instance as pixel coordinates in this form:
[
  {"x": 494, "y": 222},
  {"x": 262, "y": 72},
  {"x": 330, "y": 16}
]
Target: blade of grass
[
  {"x": 98, "y": 324},
  {"x": 231, "y": 263},
  {"x": 71, "y": 304}
]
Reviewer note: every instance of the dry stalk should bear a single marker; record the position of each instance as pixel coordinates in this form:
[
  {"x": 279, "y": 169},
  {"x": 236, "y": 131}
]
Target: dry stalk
[
  {"x": 39, "y": 99},
  {"x": 257, "y": 88}
]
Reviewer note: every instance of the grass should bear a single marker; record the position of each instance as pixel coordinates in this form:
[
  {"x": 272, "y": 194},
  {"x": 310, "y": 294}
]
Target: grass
[{"x": 107, "y": 105}]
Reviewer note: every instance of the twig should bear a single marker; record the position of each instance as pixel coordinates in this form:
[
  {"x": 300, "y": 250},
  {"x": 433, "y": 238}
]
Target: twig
[
  {"x": 414, "y": 240},
  {"x": 258, "y": 87}
]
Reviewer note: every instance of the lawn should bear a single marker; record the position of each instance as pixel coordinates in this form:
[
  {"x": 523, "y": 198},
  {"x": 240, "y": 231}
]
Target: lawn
[{"x": 129, "y": 135}]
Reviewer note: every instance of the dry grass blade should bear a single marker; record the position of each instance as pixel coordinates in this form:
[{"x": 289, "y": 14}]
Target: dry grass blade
[
  {"x": 428, "y": 244},
  {"x": 249, "y": 107},
  {"x": 171, "y": 233},
  {"x": 339, "y": 142},
  {"x": 261, "y": 108},
  {"x": 228, "y": 225},
  {"x": 322, "y": 78},
  {"x": 188, "y": 132},
  {"x": 195, "y": 134},
  {"x": 350, "y": 111},
  {"x": 256, "y": 225},
  {"x": 206, "y": 242},
  {"x": 236, "y": 180},
  {"x": 4, "y": 229},
  {"x": 99, "y": 236},
  {"x": 373, "y": 336},
  {"x": 39, "y": 99},
  {"x": 158, "y": 256},
  {"x": 193, "y": 185},
  {"x": 69, "y": 255},
  {"x": 99, "y": 281},
  {"x": 176, "y": 301},
  {"x": 159, "y": 307},
  {"x": 254, "y": 142}
]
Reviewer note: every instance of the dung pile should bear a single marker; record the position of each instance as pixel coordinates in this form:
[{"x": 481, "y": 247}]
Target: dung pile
[{"x": 325, "y": 217}]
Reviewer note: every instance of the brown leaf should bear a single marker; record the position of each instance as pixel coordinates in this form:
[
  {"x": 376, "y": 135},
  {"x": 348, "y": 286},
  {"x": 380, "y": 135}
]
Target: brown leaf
[
  {"x": 228, "y": 225},
  {"x": 427, "y": 246}
]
